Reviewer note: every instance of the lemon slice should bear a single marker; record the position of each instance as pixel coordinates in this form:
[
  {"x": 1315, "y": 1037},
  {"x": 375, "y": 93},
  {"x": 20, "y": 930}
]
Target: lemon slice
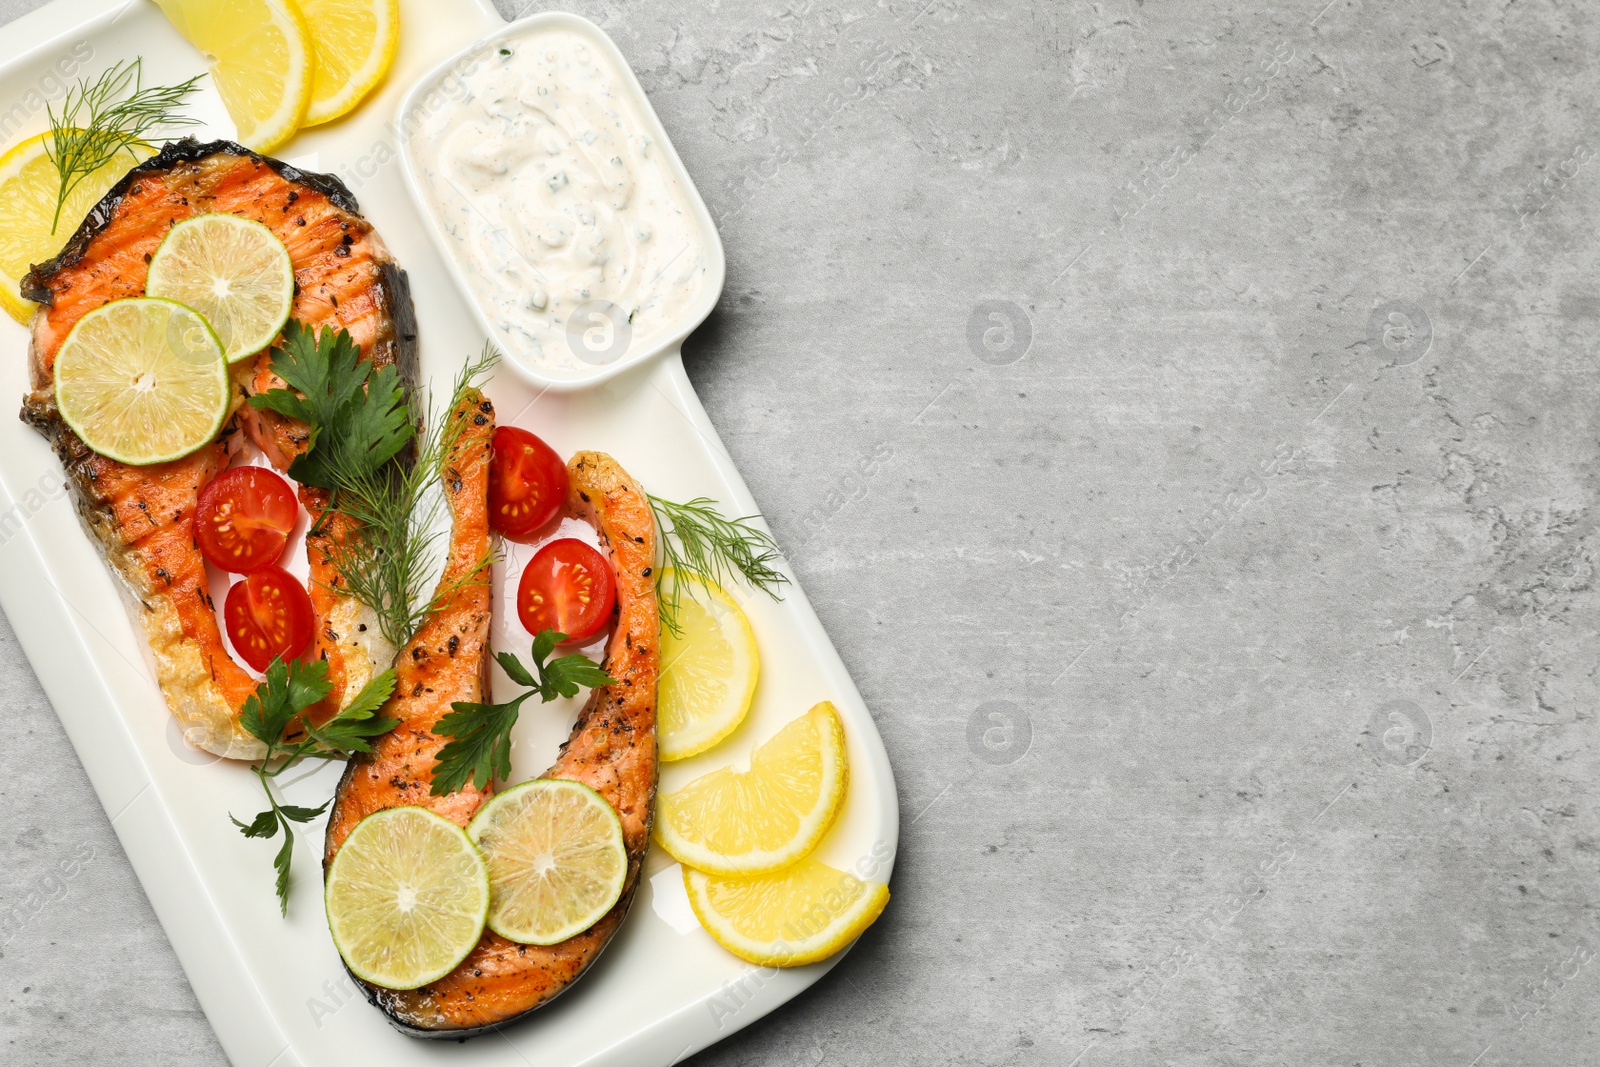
[
  {"x": 708, "y": 674},
  {"x": 354, "y": 42},
  {"x": 28, "y": 187},
  {"x": 760, "y": 820},
  {"x": 234, "y": 272},
  {"x": 261, "y": 61},
  {"x": 142, "y": 380},
  {"x": 556, "y": 860},
  {"x": 798, "y": 915},
  {"x": 406, "y": 898}
]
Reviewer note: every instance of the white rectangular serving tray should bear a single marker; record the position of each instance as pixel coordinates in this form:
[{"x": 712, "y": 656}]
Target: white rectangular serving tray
[{"x": 274, "y": 989}]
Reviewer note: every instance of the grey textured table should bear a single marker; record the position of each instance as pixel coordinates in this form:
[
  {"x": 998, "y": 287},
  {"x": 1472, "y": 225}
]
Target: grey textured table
[{"x": 1181, "y": 415}]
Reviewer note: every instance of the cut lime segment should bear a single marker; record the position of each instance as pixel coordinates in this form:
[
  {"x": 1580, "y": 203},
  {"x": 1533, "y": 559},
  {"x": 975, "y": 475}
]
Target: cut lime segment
[
  {"x": 556, "y": 860},
  {"x": 708, "y": 668},
  {"x": 234, "y": 272},
  {"x": 407, "y": 895},
  {"x": 142, "y": 381}
]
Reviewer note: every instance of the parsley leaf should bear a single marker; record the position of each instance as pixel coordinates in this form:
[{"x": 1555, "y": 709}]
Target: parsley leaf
[
  {"x": 263, "y": 825},
  {"x": 280, "y": 863},
  {"x": 480, "y": 749},
  {"x": 351, "y": 730},
  {"x": 514, "y": 668},
  {"x": 564, "y": 676},
  {"x": 294, "y": 814},
  {"x": 358, "y": 414},
  {"x": 287, "y": 690}
]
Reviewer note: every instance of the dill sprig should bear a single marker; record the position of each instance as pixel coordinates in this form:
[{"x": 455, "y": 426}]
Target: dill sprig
[
  {"x": 101, "y": 119},
  {"x": 387, "y": 555},
  {"x": 697, "y": 538},
  {"x": 381, "y": 473},
  {"x": 390, "y": 556}
]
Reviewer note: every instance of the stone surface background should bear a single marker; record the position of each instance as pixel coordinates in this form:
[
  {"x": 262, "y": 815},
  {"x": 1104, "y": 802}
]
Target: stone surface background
[{"x": 1182, "y": 417}]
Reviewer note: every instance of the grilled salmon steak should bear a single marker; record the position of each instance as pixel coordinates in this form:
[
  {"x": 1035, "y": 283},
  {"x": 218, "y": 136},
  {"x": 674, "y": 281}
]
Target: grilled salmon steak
[
  {"x": 612, "y": 748},
  {"x": 142, "y": 517}
]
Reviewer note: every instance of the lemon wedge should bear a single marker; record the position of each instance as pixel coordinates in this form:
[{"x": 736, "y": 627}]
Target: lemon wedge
[
  {"x": 556, "y": 860},
  {"x": 142, "y": 380},
  {"x": 709, "y": 669},
  {"x": 261, "y": 61},
  {"x": 29, "y": 184},
  {"x": 798, "y": 915},
  {"x": 407, "y": 896},
  {"x": 751, "y": 822},
  {"x": 355, "y": 42}
]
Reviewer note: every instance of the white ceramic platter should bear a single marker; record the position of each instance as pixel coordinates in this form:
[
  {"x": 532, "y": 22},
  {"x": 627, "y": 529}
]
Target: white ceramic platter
[{"x": 272, "y": 988}]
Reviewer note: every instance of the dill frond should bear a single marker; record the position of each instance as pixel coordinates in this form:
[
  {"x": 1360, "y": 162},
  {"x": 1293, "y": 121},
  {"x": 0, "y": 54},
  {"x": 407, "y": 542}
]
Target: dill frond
[
  {"x": 698, "y": 538},
  {"x": 101, "y": 119},
  {"x": 390, "y": 557}
]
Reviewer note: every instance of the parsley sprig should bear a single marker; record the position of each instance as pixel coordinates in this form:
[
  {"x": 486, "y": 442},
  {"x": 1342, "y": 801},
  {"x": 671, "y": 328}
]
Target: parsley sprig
[
  {"x": 288, "y": 690},
  {"x": 357, "y": 412},
  {"x": 699, "y": 539},
  {"x": 481, "y": 749},
  {"x": 364, "y": 449}
]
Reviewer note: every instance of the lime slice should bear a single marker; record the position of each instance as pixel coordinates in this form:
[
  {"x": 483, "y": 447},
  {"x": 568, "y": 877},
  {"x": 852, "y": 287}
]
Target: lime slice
[
  {"x": 709, "y": 668},
  {"x": 142, "y": 381},
  {"x": 234, "y": 272},
  {"x": 556, "y": 860},
  {"x": 406, "y": 897}
]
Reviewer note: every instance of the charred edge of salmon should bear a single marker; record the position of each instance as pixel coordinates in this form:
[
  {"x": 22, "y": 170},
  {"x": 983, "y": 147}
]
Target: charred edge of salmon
[
  {"x": 93, "y": 507},
  {"x": 393, "y": 1004},
  {"x": 35, "y": 285},
  {"x": 403, "y": 314}
]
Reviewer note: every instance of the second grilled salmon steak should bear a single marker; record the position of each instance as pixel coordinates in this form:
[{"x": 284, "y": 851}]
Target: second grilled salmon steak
[
  {"x": 612, "y": 748},
  {"x": 142, "y": 517}
]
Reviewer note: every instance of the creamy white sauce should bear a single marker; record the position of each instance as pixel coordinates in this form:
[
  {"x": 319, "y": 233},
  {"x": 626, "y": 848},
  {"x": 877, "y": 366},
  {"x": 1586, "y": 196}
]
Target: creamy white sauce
[{"x": 564, "y": 214}]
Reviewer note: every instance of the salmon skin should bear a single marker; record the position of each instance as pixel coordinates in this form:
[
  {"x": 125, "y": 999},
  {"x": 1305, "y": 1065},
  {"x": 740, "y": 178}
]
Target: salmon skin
[
  {"x": 612, "y": 747},
  {"x": 142, "y": 517}
]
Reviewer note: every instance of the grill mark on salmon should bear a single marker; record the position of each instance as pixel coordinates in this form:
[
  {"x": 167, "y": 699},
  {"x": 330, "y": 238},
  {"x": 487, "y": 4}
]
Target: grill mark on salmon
[
  {"x": 141, "y": 517},
  {"x": 612, "y": 749}
]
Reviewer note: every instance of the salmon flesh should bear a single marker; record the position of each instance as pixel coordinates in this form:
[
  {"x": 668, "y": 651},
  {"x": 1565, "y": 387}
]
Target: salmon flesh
[
  {"x": 612, "y": 747},
  {"x": 142, "y": 517}
]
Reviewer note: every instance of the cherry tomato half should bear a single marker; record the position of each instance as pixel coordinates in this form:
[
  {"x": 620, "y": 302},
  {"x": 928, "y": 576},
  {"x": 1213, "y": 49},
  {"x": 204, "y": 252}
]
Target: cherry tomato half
[
  {"x": 527, "y": 483},
  {"x": 268, "y": 614},
  {"x": 567, "y": 587},
  {"x": 244, "y": 517}
]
